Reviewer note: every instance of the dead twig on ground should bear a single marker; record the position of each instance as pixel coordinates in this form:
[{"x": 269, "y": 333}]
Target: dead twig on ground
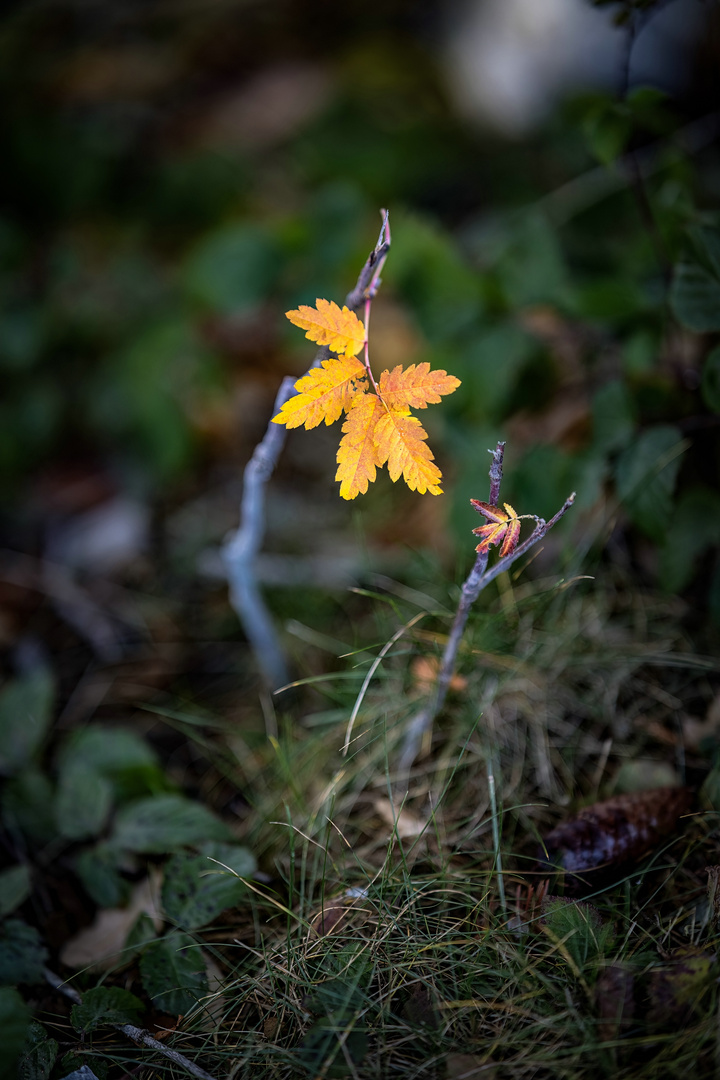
[{"x": 138, "y": 1035}]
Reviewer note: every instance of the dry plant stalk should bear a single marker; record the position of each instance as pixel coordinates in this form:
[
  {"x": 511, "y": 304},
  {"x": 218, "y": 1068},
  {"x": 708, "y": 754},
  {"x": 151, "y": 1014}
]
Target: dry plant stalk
[{"x": 502, "y": 529}]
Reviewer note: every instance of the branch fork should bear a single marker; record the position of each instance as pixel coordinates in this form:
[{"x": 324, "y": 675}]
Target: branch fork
[{"x": 475, "y": 582}]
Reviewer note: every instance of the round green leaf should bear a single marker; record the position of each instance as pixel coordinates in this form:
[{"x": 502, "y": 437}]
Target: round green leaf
[
  {"x": 173, "y": 973},
  {"x": 97, "y": 867},
  {"x": 22, "y": 954},
  {"x": 233, "y": 269},
  {"x": 163, "y": 823},
  {"x": 39, "y": 1054},
  {"x": 106, "y": 1005},
  {"x": 108, "y": 750},
  {"x": 646, "y": 474},
  {"x": 28, "y": 803},
  {"x": 25, "y": 713},
  {"x": 613, "y": 417},
  {"x": 196, "y": 889},
  {"x": 15, "y": 887},
  {"x": 83, "y": 801},
  {"x": 14, "y": 1023},
  {"x": 695, "y": 297}
]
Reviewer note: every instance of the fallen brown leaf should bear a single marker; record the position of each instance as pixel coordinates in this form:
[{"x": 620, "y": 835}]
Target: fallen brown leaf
[{"x": 99, "y": 946}]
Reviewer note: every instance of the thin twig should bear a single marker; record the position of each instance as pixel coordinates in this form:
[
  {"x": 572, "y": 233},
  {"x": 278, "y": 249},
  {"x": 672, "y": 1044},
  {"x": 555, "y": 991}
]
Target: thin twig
[
  {"x": 138, "y": 1035},
  {"x": 242, "y": 546},
  {"x": 475, "y": 582}
]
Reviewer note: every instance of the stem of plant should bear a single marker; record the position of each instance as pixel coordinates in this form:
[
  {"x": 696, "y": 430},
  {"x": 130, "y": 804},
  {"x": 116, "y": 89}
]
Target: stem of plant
[
  {"x": 475, "y": 582},
  {"x": 243, "y": 545},
  {"x": 138, "y": 1035}
]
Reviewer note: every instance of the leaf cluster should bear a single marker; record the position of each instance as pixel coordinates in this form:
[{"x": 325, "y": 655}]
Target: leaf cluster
[
  {"x": 106, "y": 800},
  {"x": 379, "y": 428}
]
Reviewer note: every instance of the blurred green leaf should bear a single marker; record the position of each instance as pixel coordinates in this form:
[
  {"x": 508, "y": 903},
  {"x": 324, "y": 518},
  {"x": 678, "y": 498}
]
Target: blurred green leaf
[
  {"x": 616, "y": 299},
  {"x": 608, "y": 129},
  {"x": 173, "y": 973},
  {"x": 695, "y": 290},
  {"x": 147, "y": 391},
  {"x": 25, "y": 712},
  {"x": 541, "y": 482},
  {"x": 695, "y": 298},
  {"x": 15, "y": 1018},
  {"x": 640, "y": 352},
  {"x": 22, "y": 953},
  {"x": 532, "y": 267},
  {"x": 107, "y": 749},
  {"x": 97, "y": 867},
  {"x": 118, "y": 755},
  {"x": 645, "y": 475},
  {"x": 706, "y": 242},
  {"x": 429, "y": 273},
  {"x": 711, "y": 380},
  {"x": 22, "y": 337},
  {"x": 39, "y": 1054},
  {"x": 196, "y": 890},
  {"x": 15, "y": 887},
  {"x": 491, "y": 365},
  {"x": 232, "y": 269},
  {"x": 140, "y": 933},
  {"x": 82, "y": 802},
  {"x": 696, "y": 527},
  {"x": 613, "y": 416},
  {"x": 28, "y": 801},
  {"x": 164, "y": 823},
  {"x": 106, "y": 1005}
]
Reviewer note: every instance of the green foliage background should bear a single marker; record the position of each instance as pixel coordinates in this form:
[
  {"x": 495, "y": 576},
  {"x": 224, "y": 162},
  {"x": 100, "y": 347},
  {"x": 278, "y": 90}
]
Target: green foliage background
[{"x": 147, "y": 254}]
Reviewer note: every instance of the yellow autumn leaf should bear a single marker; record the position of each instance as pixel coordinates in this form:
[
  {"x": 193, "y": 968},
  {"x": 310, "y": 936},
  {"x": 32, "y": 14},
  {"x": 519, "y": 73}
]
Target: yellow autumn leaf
[
  {"x": 356, "y": 456},
  {"x": 323, "y": 394},
  {"x": 327, "y": 324},
  {"x": 401, "y": 442},
  {"x": 415, "y": 387}
]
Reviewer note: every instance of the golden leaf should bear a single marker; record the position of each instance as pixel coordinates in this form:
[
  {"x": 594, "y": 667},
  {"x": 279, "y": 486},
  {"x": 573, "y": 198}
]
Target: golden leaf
[
  {"x": 400, "y": 442},
  {"x": 415, "y": 387},
  {"x": 327, "y": 324},
  {"x": 323, "y": 393},
  {"x": 356, "y": 456}
]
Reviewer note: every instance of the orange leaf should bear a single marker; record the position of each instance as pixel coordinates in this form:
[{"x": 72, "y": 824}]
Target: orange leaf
[
  {"x": 415, "y": 387},
  {"x": 326, "y": 324},
  {"x": 323, "y": 393},
  {"x": 502, "y": 525},
  {"x": 400, "y": 442},
  {"x": 356, "y": 454}
]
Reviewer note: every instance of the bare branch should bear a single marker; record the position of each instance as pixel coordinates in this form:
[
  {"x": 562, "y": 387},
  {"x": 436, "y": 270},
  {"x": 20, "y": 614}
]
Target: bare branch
[
  {"x": 475, "y": 582},
  {"x": 241, "y": 547}
]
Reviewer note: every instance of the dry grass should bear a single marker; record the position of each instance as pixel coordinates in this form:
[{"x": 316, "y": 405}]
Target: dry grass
[{"x": 383, "y": 943}]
